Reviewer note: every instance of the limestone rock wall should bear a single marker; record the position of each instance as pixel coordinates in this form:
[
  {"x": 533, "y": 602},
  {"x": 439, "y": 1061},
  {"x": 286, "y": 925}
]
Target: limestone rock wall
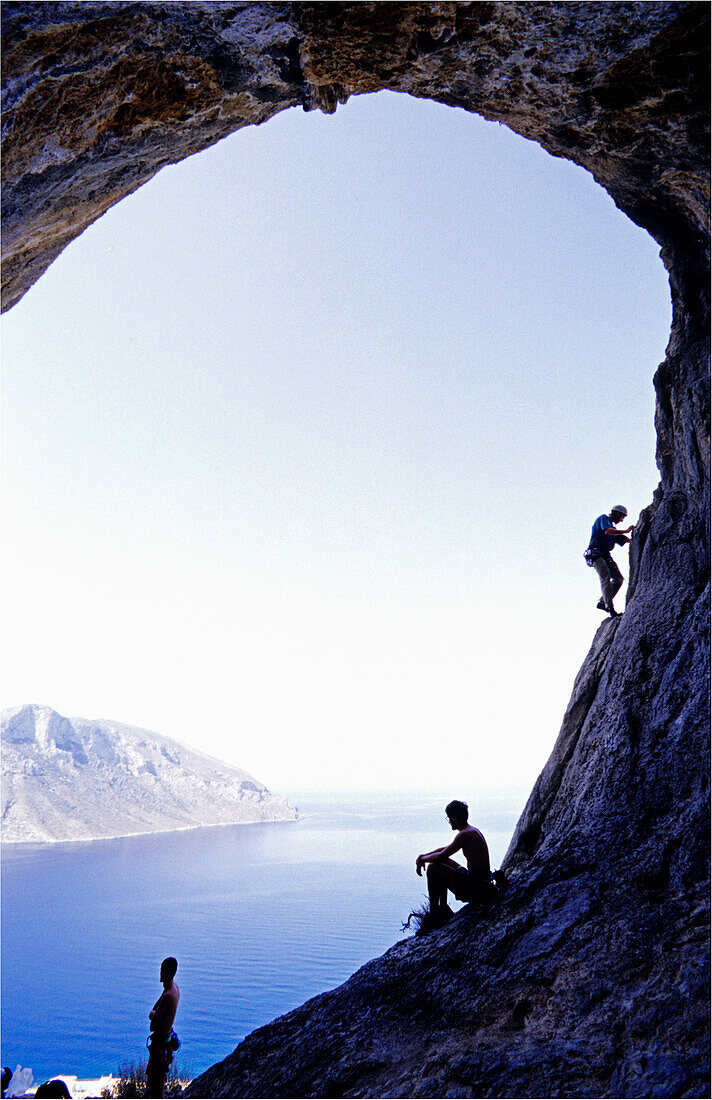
[
  {"x": 97, "y": 97},
  {"x": 593, "y": 977}
]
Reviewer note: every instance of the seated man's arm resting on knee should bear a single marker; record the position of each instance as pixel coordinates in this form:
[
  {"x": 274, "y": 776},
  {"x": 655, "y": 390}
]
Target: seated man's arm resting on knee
[{"x": 438, "y": 855}]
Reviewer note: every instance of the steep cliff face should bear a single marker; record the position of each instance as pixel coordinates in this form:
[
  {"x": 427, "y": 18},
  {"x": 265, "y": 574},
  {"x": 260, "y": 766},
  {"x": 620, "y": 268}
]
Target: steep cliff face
[{"x": 592, "y": 978}]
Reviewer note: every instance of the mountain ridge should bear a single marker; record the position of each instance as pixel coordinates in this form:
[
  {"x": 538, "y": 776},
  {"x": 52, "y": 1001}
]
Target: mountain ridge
[{"x": 68, "y": 779}]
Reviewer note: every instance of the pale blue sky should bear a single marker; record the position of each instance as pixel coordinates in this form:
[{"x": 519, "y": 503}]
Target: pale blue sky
[{"x": 303, "y": 442}]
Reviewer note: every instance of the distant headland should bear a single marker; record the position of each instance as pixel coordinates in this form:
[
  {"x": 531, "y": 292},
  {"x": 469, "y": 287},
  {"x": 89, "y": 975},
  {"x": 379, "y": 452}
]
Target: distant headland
[{"x": 74, "y": 779}]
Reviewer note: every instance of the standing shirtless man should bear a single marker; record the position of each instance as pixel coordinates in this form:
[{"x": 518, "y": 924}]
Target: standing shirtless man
[
  {"x": 467, "y": 884},
  {"x": 162, "y": 1016}
]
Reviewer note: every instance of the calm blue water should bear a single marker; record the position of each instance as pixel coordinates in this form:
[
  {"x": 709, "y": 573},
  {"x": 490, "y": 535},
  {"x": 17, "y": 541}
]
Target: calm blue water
[{"x": 260, "y": 917}]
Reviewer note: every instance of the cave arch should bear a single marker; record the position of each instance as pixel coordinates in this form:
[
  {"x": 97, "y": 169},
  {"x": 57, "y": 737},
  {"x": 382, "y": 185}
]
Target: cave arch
[{"x": 99, "y": 96}]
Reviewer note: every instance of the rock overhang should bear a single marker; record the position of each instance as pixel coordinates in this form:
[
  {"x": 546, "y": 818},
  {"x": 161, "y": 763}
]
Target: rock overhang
[{"x": 99, "y": 96}]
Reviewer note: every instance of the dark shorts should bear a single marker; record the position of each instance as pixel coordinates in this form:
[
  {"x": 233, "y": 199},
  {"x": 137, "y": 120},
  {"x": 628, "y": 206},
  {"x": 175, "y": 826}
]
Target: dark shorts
[
  {"x": 468, "y": 887},
  {"x": 160, "y": 1058}
]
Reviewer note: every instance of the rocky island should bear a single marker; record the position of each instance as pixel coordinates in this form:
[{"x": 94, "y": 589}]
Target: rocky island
[
  {"x": 592, "y": 978},
  {"x": 71, "y": 779}
]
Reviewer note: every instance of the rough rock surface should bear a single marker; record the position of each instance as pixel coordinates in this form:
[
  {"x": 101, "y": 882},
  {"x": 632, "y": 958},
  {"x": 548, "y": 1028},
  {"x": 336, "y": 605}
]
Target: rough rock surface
[{"x": 593, "y": 977}]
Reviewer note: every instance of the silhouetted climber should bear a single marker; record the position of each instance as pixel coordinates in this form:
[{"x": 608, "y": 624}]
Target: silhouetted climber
[
  {"x": 598, "y": 555},
  {"x": 6, "y": 1079},
  {"x": 470, "y": 884},
  {"x": 163, "y": 1042}
]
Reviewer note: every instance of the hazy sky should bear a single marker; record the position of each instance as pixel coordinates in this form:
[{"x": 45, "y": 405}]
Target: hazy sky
[{"x": 303, "y": 442}]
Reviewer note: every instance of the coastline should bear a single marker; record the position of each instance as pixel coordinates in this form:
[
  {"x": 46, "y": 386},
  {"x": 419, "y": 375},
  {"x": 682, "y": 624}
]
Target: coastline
[{"x": 26, "y": 844}]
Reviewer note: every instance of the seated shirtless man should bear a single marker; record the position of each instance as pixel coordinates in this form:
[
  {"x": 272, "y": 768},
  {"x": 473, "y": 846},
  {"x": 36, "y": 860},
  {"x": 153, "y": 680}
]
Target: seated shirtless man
[{"x": 444, "y": 873}]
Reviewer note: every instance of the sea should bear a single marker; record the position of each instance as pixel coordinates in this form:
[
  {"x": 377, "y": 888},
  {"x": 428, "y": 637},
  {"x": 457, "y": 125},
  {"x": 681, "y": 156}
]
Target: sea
[{"x": 260, "y": 917}]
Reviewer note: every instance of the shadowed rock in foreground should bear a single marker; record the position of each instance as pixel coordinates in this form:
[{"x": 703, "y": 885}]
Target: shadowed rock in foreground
[{"x": 593, "y": 977}]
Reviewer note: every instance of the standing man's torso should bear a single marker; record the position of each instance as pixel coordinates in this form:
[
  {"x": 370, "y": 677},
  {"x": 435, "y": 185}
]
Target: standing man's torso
[{"x": 166, "y": 1008}]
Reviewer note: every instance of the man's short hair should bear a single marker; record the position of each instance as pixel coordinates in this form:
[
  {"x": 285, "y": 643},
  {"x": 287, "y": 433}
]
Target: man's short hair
[
  {"x": 169, "y": 967},
  {"x": 457, "y": 810}
]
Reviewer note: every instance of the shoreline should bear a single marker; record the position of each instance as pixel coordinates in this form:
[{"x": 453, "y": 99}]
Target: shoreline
[{"x": 147, "y": 832}]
